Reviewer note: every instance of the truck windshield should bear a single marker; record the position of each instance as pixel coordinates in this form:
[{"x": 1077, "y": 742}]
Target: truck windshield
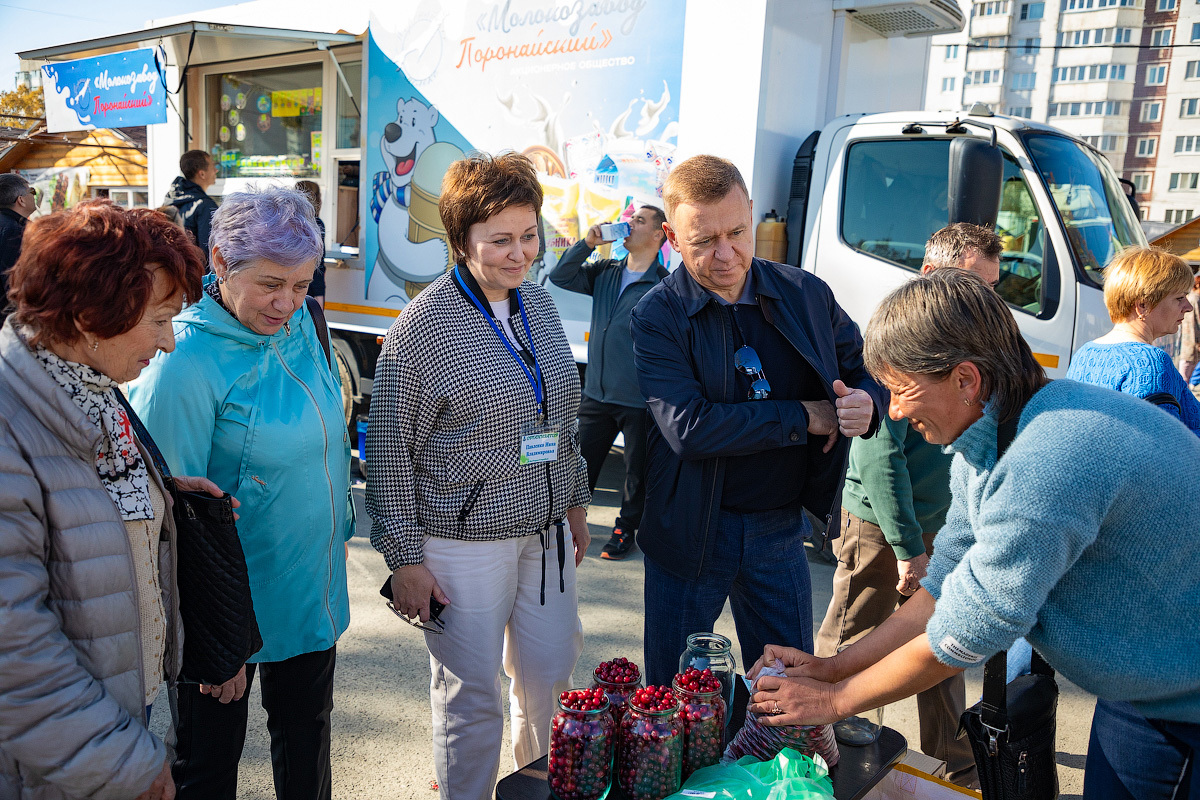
[{"x": 1096, "y": 215}]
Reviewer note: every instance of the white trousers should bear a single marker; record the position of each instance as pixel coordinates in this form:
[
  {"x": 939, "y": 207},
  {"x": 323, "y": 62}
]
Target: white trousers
[{"x": 495, "y": 619}]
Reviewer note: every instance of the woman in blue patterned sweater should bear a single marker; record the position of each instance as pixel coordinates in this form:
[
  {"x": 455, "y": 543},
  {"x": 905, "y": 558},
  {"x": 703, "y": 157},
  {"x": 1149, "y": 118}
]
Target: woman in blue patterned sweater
[{"x": 1146, "y": 291}]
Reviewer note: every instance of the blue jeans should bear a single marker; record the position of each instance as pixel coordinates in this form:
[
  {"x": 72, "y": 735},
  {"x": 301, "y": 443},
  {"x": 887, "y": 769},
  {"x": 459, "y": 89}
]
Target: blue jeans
[
  {"x": 1130, "y": 757},
  {"x": 759, "y": 564}
]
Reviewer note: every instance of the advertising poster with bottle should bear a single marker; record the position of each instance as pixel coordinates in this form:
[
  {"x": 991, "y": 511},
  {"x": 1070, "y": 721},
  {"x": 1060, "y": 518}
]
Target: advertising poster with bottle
[{"x": 589, "y": 91}]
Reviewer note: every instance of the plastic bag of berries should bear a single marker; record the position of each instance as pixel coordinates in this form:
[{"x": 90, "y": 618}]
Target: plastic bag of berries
[{"x": 764, "y": 742}]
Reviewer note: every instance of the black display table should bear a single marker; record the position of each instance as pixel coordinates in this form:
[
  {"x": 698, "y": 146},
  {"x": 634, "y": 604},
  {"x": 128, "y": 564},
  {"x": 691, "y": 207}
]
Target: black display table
[{"x": 858, "y": 769}]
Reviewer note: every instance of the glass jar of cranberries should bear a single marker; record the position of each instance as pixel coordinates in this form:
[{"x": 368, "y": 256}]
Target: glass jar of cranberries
[
  {"x": 702, "y": 710},
  {"x": 619, "y": 679},
  {"x": 712, "y": 651},
  {"x": 650, "y": 751},
  {"x": 582, "y": 740}
]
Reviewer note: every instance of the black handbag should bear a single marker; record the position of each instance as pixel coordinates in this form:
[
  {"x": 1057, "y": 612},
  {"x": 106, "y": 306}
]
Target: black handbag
[
  {"x": 1012, "y": 729},
  {"x": 220, "y": 629}
]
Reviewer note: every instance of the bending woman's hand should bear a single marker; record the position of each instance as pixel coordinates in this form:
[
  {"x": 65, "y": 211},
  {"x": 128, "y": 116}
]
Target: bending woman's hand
[
  {"x": 580, "y": 535},
  {"x": 195, "y": 484},
  {"x": 411, "y": 587},
  {"x": 796, "y": 664},
  {"x": 794, "y": 701}
]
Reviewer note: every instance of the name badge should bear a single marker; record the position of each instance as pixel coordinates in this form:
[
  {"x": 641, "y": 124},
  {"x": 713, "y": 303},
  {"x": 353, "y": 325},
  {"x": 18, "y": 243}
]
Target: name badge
[{"x": 539, "y": 443}]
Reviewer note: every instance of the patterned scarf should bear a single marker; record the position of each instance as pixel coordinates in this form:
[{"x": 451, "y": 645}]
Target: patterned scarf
[{"x": 118, "y": 461}]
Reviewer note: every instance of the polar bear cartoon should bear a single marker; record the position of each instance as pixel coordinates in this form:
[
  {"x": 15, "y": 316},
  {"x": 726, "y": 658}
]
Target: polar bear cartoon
[{"x": 407, "y": 263}]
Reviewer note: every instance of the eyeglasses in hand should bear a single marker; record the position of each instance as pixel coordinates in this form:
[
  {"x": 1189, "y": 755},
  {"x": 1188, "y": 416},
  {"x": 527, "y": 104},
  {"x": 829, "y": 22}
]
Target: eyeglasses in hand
[
  {"x": 748, "y": 363},
  {"x": 435, "y": 624}
]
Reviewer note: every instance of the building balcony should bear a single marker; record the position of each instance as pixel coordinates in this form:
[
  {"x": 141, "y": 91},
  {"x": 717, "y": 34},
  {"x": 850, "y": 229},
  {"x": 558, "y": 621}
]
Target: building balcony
[
  {"x": 994, "y": 25},
  {"x": 990, "y": 93},
  {"x": 986, "y": 58}
]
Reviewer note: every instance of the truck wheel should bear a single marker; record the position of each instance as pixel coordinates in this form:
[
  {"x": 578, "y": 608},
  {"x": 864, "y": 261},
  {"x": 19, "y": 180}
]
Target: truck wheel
[{"x": 344, "y": 374}]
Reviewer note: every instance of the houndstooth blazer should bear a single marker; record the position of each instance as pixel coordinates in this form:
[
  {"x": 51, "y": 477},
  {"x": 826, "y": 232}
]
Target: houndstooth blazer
[{"x": 443, "y": 441}]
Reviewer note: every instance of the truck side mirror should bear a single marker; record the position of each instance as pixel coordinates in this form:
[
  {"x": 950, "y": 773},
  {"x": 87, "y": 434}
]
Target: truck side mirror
[{"x": 976, "y": 169}]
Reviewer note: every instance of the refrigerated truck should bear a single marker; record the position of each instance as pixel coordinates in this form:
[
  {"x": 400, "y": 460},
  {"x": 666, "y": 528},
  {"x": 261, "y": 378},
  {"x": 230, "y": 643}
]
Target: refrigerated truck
[{"x": 813, "y": 100}]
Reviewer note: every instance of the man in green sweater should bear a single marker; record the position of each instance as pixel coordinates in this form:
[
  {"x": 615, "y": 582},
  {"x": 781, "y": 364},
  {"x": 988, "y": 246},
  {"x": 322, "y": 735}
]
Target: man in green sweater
[{"x": 895, "y": 500}]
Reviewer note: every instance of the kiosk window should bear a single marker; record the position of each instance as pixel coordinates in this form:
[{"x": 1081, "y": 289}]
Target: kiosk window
[
  {"x": 266, "y": 122},
  {"x": 896, "y": 198}
]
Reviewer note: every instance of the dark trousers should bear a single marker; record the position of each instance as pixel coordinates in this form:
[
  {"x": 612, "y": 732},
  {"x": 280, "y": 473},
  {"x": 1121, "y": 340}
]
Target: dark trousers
[
  {"x": 297, "y": 695},
  {"x": 759, "y": 565},
  {"x": 599, "y": 424},
  {"x": 1130, "y": 757}
]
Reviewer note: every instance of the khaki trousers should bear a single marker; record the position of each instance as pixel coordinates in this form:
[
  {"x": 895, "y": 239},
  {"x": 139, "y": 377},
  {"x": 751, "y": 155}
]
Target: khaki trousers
[{"x": 864, "y": 595}]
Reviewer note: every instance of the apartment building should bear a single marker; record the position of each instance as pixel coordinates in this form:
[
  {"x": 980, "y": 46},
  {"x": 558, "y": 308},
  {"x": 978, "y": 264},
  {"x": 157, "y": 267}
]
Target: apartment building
[
  {"x": 1163, "y": 157},
  {"x": 1122, "y": 74}
]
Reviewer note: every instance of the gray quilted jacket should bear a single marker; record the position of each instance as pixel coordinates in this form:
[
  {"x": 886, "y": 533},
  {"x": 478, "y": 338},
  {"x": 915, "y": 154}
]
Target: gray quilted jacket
[{"x": 72, "y": 702}]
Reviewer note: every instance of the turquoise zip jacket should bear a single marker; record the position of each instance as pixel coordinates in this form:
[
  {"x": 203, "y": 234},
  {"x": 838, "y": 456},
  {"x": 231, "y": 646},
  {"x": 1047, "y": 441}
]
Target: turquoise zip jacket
[{"x": 261, "y": 416}]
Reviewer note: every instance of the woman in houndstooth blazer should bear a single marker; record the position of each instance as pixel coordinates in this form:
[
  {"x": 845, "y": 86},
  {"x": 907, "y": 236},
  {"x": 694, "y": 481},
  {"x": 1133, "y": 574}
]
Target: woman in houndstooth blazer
[{"x": 476, "y": 482}]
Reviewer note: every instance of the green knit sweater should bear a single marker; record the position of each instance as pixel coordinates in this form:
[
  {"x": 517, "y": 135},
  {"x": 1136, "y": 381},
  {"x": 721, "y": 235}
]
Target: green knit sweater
[{"x": 901, "y": 483}]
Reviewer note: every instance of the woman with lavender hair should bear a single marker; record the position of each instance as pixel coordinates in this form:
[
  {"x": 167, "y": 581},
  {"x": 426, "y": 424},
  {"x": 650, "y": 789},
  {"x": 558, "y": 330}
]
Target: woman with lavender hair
[{"x": 248, "y": 400}]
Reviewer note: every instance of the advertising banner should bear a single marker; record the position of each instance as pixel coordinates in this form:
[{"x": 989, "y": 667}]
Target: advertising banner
[
  {"x": 56, "y": 188},
  {"x": 589, "y": 91},
  {"x": 120, "y": 90}
]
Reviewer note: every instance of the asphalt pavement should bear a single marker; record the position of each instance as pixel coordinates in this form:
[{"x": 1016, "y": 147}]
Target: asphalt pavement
[{"x": 381, "y": 716}]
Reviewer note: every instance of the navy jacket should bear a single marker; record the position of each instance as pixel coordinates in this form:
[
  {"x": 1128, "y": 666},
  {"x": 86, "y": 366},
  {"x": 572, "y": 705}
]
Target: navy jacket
[
  {"x": 683, "y": 346},
  {"x": 610, "y": 375},
  {"x": 12, "y": 229},
  {"x": 195, "y": 209}
]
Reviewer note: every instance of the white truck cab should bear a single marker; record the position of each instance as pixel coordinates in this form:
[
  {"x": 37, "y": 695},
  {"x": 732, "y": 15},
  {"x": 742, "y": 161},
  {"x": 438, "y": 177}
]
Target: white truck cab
[{"x": 879, "y": 187}]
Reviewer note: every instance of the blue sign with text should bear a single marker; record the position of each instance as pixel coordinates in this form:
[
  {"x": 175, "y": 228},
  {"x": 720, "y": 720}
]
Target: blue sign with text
[{"x": 120, "y": 90}]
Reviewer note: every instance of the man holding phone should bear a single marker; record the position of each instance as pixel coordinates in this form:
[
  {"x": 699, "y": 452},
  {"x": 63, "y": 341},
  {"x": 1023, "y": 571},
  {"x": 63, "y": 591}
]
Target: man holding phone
[{"x": 611, "y": 400}]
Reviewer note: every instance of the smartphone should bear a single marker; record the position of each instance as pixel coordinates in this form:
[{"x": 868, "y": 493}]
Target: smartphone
[
  {"x": 435, "y": 607},
  {"x": 610, "y": 232}
]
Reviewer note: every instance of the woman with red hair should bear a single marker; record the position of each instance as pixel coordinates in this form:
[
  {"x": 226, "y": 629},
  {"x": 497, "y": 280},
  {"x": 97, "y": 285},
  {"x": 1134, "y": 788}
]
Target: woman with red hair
[{"x": 90, "y": 628}]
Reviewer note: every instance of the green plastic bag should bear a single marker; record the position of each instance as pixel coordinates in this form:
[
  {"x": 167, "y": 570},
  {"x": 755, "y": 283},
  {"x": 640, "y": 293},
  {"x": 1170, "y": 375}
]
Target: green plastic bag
[{"x": 788, "y": 776}]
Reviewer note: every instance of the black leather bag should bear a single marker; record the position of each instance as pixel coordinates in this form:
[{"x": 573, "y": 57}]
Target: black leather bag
[
  {"x": 1012, "y": 729},
  {"x": 219, "y": 626},
  {"x": 1012, "y": 732}
]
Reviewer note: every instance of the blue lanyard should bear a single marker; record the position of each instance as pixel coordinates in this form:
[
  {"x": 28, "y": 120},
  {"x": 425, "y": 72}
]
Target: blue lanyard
[{"x": 536, "y": 383}]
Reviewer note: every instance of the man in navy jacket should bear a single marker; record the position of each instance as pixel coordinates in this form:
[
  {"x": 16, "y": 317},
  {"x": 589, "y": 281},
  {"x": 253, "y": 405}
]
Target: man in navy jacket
[{"x": 754, "y": 377}]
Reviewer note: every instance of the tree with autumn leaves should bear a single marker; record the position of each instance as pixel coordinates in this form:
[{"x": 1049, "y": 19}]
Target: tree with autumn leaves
[{"x": 24, "y": 103}]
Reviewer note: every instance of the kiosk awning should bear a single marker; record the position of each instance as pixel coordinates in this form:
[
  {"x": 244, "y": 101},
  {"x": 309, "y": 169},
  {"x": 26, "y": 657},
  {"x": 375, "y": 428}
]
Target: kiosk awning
[{"x": 208, "y": 43}]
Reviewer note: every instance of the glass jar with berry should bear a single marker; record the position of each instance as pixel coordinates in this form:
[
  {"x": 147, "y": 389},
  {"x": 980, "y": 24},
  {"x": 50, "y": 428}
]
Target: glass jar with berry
[
  {"x": 712, "y": 651},
  {"x": 582, "y": 741},
  {"x": 650, "y": 747},
  {"x": 703, "y": 712},
  {"x": 619, "y": 679}
]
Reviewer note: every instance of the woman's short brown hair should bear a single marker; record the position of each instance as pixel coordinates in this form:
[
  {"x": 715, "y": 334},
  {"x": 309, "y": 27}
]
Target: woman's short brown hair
[
  {"x": 934, "y": 322},
  {"x": 1143, "y": 275},
  {"x": 480, "y": 186},
  {"x": 91, "y": 264}
]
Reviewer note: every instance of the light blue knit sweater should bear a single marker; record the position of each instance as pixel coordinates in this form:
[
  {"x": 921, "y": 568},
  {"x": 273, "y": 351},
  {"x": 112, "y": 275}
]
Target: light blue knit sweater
[{"x": 1085, "y": 539}]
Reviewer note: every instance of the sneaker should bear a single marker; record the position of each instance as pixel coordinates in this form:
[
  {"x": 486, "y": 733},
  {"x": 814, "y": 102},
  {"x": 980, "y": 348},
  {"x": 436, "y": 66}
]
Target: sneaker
[{"x": 618, "y": 546}]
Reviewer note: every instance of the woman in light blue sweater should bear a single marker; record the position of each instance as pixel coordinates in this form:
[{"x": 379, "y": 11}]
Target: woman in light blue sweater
[
  {"x": 1080, "y": 538},
  {"x": 1146, "y": 292}
]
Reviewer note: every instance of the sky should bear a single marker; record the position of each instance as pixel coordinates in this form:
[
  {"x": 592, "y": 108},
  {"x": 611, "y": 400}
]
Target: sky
[{"x": 30, "y": 24}]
